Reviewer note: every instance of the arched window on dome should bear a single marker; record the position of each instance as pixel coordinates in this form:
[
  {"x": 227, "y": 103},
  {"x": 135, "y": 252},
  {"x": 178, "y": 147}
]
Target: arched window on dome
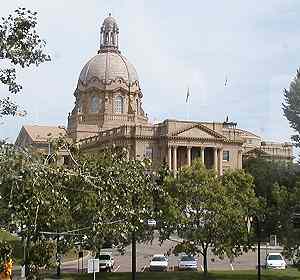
[
  {"x": 79, "y": 106},
  {"x": 95, "y": 104},
  {"x": 137, "y": 106},
  {"x": 119, "y": 105}
]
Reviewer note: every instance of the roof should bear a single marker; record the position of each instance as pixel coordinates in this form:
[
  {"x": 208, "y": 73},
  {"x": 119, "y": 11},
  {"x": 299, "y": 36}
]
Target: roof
[
  {"x": 107, "y": 67},
  {"x": 247, "y": 133},
  {"x": 40, "y": 133}
]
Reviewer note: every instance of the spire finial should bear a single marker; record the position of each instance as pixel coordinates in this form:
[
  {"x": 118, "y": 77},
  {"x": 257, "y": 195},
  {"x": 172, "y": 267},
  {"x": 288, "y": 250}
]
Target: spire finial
[{"x": 109, "y": 35}]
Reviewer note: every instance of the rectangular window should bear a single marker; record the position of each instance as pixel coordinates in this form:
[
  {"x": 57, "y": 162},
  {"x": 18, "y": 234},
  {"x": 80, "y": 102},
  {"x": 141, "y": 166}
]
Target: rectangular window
[
  {"x": 148, "y": 153},
  {"x": 226, "y": 155}
]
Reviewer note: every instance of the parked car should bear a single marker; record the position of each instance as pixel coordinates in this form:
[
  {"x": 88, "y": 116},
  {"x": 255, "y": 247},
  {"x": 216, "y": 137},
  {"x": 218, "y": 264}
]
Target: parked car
[
  {"x": 276, "y": 261},
  {"x": 187, "y": 262},
  {"x": 106, "y": 261},
  {"x": 159, "y": 263}
]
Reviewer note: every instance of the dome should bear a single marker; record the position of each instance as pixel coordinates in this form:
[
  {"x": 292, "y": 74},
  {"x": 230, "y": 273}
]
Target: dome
[
  {"x": 110, "y": 22},
  {"x": 107, "y": 67}
]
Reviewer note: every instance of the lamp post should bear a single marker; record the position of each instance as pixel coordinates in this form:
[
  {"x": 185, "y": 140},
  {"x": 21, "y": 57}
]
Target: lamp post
[{"x": 249, "y": 221}]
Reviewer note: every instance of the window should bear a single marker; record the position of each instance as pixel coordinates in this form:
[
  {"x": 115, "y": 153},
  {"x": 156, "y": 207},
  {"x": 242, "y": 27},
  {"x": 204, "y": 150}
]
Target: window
[
  {"x": 95, "y": 102},
  {"x": 137, "y": 106},
  {"x": 226, "y": 155},
  {"x": 148, "y": 153},
  {"x": 80, "y": 108},
  {"x": 119, "y": 105}
]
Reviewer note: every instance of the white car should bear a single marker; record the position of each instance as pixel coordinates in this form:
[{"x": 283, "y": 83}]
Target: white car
[
  {"x": 276, "y": 261},
  {"x": 106, "y": 261},
  {"x": 187, "y": 262},
  {"x": 159, "y": 263}
]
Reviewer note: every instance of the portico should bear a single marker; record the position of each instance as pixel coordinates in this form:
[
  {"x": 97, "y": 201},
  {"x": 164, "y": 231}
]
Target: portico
[{"x": 180, "y": 156}]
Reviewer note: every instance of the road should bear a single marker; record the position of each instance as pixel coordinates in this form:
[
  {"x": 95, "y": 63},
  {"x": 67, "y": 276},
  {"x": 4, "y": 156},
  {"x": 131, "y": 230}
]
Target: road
[{"x": 145, "y": 252}]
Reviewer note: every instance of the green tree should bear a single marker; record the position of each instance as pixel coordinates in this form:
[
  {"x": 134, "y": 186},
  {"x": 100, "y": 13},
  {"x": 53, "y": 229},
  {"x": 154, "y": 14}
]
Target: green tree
[
  {"x": 210, "y": 211},
  {"x": 20, "y": 45},
  {"x": 102, "y": 196},
  {"x": 113, "y": 198},
  {"x": 271, "y": 178},
  {"x": 291, "y": 107},
  {"x": 33, "y": 198}
]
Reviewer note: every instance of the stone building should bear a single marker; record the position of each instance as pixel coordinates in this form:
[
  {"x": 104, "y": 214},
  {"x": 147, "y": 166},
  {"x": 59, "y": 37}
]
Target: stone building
[{"x": 108, "y": 113}]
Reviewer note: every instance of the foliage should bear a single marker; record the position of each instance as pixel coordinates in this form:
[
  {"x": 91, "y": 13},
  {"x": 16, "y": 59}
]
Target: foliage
[
  {"x": 93, "y": 199},
  {"x": 5, "y": 251},
  {"x": 209, "y": 211},
  {"x": 113, "y": 198},
  {"x": 291, "y": 107},
  {"x": 20, "y": 45},
  {"x": 31, "y": 197},
  {"x": 278, "y": 183},
  {"x": 40, "y": 255}
]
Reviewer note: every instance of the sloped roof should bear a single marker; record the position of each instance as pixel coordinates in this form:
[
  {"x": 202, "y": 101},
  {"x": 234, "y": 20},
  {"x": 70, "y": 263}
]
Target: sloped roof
[{"x": 40, "y": 133}]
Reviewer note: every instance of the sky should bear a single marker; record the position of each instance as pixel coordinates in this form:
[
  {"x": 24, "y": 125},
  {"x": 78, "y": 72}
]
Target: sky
[{"x": 174, "y": 45}]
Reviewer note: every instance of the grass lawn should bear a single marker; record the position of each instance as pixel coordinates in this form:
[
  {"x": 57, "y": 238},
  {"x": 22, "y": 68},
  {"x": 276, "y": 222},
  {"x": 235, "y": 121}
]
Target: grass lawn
[
  {"x": 4, "y": 235},
  {"x": 289, "y": 274}
]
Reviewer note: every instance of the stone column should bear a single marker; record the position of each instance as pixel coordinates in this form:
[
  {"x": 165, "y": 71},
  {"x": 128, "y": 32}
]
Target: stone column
[
  {"x": 239, "y": 159},
  {"x": 215, "y": 158},
  {"x": 174, "y": 159},
  {"x": 202, "y": 154},
  {"x": 170, "y": 157},
  {"x": 221, "y": 162},
  {"x": 188, "y": 150}
]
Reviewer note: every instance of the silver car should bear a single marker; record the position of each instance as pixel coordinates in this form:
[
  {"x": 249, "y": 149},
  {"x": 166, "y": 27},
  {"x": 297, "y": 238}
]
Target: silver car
[{"x": 187, "y": 262}]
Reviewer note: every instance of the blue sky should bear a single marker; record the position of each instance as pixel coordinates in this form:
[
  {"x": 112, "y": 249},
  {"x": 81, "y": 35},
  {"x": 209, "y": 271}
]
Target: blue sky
[{"x": 173, "y": 45}]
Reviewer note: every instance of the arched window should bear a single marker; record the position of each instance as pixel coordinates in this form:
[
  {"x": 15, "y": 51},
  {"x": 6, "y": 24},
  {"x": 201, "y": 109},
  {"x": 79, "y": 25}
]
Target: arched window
[
  {"x": 95, "y": 104},
  {"x": 137, "y": 106},
  {"x": 119, "y": 105},
  {"x": 79, "y": 106}
]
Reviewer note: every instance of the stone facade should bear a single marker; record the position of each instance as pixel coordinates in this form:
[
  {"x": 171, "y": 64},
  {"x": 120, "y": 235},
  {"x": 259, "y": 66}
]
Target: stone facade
[{"x": 108, "y": 113}]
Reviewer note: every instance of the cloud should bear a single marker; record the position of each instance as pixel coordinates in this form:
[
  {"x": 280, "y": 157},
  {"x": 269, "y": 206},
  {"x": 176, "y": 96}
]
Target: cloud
[{"x": 173, "y": 45}]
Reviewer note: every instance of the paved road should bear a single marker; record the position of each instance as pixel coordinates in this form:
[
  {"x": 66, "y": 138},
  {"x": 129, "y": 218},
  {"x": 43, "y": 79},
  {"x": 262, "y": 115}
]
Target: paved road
[{"x": 145, "y": 252}]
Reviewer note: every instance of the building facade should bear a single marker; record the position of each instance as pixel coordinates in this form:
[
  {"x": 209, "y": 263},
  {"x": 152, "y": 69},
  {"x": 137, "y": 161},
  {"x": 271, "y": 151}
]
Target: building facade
[{"x": 108, "y": 112}]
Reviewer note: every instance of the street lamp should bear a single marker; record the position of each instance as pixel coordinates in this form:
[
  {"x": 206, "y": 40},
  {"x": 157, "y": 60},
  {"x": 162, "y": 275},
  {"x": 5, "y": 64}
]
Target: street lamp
[{"x": 249, "y": 221}]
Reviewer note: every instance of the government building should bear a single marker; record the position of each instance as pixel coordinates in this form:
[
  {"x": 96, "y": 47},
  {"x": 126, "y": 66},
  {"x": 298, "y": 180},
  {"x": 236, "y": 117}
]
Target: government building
[{"x": 108, "y": 113}]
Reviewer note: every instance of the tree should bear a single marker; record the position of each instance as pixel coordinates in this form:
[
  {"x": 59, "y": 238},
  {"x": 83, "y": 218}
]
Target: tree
[
  {"x": 102, "y": 196},
  {"x": 270, "y": 178},
  {"x": 291, "y": 107},
  {"x": 20, "y": 45},
  {"x": 210, "y": 210},
  {"x": 113, "y": 198},
  {"x": 34, "y": 201}
]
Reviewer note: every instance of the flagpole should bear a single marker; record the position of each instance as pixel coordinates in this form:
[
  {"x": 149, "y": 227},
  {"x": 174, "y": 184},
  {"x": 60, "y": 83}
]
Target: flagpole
[{"x": 187, "y": 104}]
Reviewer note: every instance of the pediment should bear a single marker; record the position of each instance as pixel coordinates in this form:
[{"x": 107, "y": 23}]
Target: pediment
[{"x": 199, "y": 131}]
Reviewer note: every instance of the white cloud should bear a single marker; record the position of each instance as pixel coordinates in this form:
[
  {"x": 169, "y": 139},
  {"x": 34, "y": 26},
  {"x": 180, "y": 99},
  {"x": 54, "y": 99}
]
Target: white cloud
[{"x": 173, "y": 45}]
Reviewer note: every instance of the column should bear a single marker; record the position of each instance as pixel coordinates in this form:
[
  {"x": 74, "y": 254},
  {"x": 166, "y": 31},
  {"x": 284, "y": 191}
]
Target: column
[
  {"x": 239, "y": 160},
  {"x": 188, "y": 150},
  {"x": 221, "y": 162},
  {"x": 215, "y": 158},
  {"x": 174, "y": 160},
  {"x": 170, "y": 158},
  {"x": 202, "y": 154}
]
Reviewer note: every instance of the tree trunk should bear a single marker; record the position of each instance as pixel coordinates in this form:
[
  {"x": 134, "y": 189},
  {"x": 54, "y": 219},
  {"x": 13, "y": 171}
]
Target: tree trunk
[
  {"x": 205, "y": 263},
  {"x": 26, "y": 254}
]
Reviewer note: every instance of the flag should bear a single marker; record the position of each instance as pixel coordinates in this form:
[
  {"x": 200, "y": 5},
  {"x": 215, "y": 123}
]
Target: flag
[
  {"x": 187, "y": 95},
  {"x": 226, "y": 81}
]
